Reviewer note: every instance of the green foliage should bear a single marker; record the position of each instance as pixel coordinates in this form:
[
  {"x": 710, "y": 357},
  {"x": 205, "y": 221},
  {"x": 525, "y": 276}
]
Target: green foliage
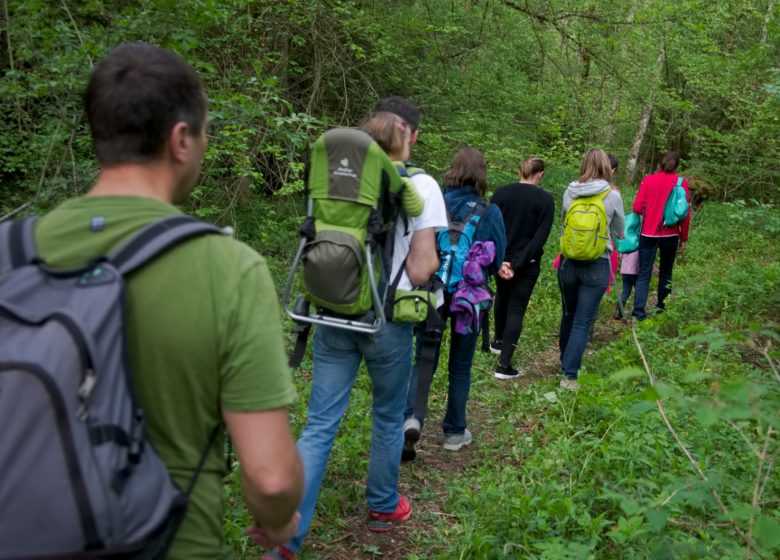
[
  {"x": 597, "y": 474},
  {"x": 589, "y": 475}
]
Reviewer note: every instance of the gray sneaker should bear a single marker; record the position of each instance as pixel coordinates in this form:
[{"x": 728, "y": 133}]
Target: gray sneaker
[
  {"x": 456, "y": 442},
  {"x": 569, "y": 384}
]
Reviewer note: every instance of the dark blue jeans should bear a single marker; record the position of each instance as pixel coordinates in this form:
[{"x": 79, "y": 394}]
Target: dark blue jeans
[
  {"x": 582, "y": 287},
  {"x": 667, "y": 246},
  {"x": 629, "y": 281},
  {"x": 462, "y": 348}
]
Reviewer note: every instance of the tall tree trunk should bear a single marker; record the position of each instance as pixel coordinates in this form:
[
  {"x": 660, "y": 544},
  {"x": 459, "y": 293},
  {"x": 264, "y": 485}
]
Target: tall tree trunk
[
  {"x": 611, "y": 124},
  {"x": 769, "y": 9},
  {"x": 633, "y": 155},
  {"x": 616, "y": 94}
]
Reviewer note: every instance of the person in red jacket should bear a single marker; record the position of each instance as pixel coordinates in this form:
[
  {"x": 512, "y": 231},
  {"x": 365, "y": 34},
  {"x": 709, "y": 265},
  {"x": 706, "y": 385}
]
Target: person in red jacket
[{"x": 649, "y": 203}]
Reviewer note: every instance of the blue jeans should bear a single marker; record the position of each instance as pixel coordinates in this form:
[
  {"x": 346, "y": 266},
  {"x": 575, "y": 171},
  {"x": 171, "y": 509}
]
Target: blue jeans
[
  {"x": 582, "y": 287},
  {"x": 462, "y": 348},
  {"x": 337, "y": 357},
  {"x": 667, "y": 246}
]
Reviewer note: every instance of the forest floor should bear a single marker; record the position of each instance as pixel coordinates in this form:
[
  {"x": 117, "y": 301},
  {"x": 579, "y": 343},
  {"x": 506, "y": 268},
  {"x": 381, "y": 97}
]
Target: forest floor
[{"x": 434, "y": 466}]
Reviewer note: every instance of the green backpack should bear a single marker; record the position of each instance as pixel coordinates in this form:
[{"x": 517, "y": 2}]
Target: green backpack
[
  {"x": 584, "y": 235},
  {"x": 355, "y": 194}
]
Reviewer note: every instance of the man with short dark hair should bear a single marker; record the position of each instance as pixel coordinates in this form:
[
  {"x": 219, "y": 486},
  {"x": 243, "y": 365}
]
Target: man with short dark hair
[{"x": 203, "y": 335}]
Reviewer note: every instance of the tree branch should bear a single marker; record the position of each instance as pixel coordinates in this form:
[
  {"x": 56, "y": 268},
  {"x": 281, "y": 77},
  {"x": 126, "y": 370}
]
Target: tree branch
[{"x": 684, "y": 449}]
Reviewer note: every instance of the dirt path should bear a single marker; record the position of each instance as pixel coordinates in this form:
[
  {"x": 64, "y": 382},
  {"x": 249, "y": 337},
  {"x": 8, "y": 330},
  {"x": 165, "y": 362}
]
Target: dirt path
[{"x": 425, "y": 479}]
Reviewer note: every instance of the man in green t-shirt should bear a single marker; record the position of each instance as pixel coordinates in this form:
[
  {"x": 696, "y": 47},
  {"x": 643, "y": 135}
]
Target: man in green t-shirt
[{"x": 204, "y": 339}]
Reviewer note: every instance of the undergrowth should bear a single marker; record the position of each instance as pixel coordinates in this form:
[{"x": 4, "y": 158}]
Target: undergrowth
[{"x": 596, "y": 474}]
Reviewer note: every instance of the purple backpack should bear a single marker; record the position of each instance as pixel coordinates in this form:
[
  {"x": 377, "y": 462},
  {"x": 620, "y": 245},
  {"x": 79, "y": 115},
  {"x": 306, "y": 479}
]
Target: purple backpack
[{"x": 473, "y": 298}]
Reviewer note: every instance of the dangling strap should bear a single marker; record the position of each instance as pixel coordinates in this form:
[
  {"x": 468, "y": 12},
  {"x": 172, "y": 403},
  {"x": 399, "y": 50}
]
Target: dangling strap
[
  {"x": 426, "y": 365},
  {"x": 17, "y": 244},
  {"x": 301, "y": 331},
  {"x": 157, "y": 238},
  {"x": 202, "y": 461}
]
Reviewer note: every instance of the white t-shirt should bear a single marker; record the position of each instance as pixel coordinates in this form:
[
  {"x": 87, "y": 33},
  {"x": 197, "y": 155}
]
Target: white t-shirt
[{"x": 434, "y": 215}]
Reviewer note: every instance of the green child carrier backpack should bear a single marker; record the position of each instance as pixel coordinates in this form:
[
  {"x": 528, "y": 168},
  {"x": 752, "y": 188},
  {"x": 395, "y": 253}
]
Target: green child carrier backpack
[
  {"x": 584, "y": 235},
  {"x": 354, "y": 197}
]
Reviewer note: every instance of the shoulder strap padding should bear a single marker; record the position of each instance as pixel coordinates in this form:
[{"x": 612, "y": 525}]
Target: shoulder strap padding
[
  {"x": 456, "y": 229},
  {"x": 17, "y": 243},
  {"x": 157, "y": 238}
]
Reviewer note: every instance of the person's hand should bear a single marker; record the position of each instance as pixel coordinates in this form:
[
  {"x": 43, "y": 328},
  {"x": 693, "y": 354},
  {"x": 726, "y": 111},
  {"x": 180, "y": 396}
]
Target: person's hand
[
  {"x": 268, "y": 538},
  {"x": 506, "y": 271},
  {"x": 681, "y": 247}
]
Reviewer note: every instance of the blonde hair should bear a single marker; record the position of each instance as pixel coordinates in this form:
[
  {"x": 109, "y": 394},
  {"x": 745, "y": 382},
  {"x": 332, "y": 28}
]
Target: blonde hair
[
  {"x": 389, "y": 130},
  {"x": 530, "y": 167},
  {"x": 595, "y": 165}
]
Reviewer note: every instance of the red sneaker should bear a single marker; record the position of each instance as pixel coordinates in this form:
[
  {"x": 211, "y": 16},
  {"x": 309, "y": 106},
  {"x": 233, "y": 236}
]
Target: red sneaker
[
  {"x": 280, "y": 553},
  {"x": 383, "y": 522}
]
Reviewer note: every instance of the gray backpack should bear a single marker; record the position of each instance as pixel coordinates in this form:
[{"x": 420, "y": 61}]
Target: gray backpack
[{"x": 79, "y": 477}]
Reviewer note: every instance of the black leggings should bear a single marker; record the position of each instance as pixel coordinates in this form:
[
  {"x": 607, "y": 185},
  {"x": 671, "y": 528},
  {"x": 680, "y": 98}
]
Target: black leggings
[{"x": 512, "y": 298}]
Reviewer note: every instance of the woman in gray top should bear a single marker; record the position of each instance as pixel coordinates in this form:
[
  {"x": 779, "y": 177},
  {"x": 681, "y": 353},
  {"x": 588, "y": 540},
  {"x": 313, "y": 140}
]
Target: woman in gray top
[{"x": 583, "y": 283}]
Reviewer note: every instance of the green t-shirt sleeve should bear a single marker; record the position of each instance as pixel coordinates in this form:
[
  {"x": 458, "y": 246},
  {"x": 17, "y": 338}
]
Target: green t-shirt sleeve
[{"x": 254, "y": 375}]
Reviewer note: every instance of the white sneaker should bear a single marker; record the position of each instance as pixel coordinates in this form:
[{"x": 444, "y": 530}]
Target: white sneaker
[
  {"x": 455, "y": 442},
  {"x": 569, "y": 384}
]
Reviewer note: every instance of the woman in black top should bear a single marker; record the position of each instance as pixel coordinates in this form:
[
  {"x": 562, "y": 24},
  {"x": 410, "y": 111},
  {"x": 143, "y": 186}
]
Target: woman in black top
[{"x": 528, "y": 216}]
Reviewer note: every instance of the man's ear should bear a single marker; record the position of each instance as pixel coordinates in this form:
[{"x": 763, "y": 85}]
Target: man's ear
[
  {"x": 179, "y": 142},
  {"x": 413, "y": 137}
]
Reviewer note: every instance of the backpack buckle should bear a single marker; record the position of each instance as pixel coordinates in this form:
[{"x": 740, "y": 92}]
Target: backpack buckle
[
  {"x": 84, "y": 392},
  {"x": 136, "y": 446}
]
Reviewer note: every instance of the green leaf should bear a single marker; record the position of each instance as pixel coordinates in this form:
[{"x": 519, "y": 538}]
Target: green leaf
[
  {"x": 707, "y": 416},
  {"x": 767, "y": 531},
  {"x": 642, "y": 407},
  {"x": 656, "y": 519},
  {"x": 630, "y": 507},
  {"x": 627, "y": 373}
]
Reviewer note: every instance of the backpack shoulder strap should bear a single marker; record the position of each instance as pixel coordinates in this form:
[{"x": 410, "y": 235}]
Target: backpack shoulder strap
[
  {"x": 475, "y": 215},
  {"x": 413, "y": 169},
  {"x": 679, "y": 181},
  {"x": 157, "y": 238},
  {"x": 17, "y": 243}
]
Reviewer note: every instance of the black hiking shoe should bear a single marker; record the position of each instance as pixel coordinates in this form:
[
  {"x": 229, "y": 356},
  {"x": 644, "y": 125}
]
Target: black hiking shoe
[
  {"x": 411, "y": 436},
  {"x": 506, "y": 372}
]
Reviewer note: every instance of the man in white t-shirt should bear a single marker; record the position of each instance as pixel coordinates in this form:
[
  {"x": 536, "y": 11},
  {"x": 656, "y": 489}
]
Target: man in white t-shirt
[
  {"x": 388, "y": 356},
  {"x": 434, "y": 216}
]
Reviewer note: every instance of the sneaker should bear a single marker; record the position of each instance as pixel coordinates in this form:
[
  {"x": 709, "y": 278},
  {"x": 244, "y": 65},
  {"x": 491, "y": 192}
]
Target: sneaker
[
  {"x": 570, "y": 384},
  {"x": 496, "y": 346},
  {"x": 506, "y": 372},
  {"x": 280, "y": 553},
  {"x": 455, "y": 442},
  {"x": 383, "y": 522},
  {"x": 411, "y": 436}
]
